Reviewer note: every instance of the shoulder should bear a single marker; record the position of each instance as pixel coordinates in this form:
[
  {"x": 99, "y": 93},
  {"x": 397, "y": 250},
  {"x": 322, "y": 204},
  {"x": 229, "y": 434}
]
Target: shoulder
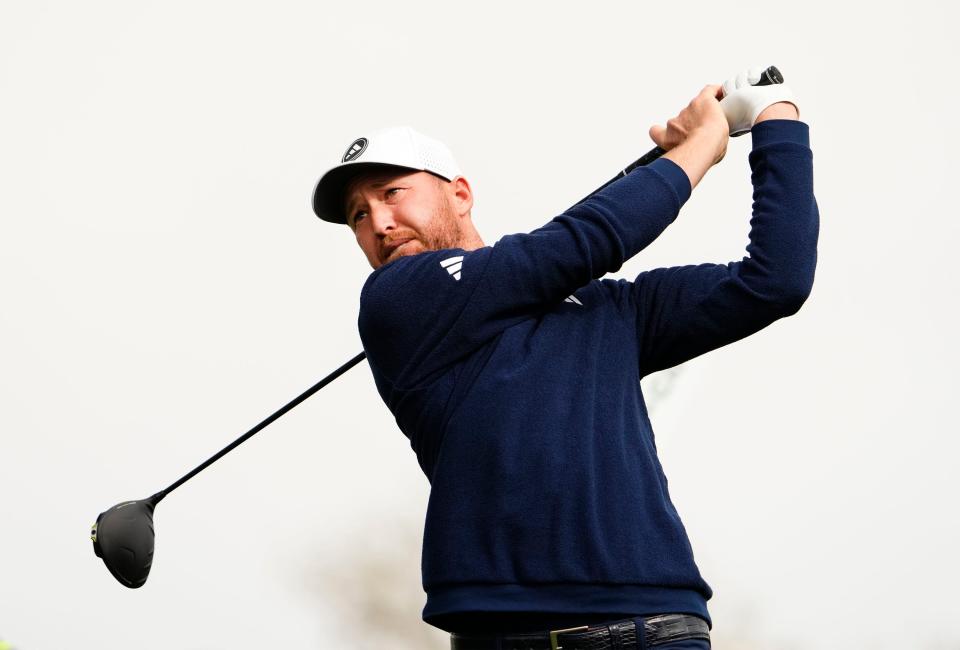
[
  {"x": 409, "y": 307},
  {"x": 431, "y": 285},
  {"x": 427, "y": 272}
]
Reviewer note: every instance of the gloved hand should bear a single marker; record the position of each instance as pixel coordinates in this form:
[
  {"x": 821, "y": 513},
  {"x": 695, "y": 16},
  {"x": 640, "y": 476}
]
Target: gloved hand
[{"x": 742, "y": 102}]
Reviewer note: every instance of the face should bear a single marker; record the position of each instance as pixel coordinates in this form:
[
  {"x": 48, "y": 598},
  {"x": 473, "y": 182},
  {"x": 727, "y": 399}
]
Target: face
[{"x": 395, "y": 213}]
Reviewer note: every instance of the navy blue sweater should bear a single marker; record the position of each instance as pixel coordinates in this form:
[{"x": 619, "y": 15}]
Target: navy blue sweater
[{"x": 515, "y": 373}]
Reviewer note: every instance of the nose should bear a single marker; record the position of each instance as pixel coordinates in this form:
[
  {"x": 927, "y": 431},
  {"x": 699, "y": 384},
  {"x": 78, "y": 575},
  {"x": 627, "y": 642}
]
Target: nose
[{"x": 381, "y": 218}]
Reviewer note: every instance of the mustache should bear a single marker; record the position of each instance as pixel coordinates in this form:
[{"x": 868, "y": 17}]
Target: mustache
[
  {"x": 386, "y": 249},
  {"x": 397, "y": 236}
]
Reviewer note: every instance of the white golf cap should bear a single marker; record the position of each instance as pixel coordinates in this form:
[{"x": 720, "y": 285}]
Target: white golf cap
[{"x": 399, "y": 146}]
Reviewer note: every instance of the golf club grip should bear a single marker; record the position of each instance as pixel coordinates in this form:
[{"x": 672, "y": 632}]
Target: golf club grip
[
  {"x": 769, "y": 76},
  {"x": 294, "y": 402}
]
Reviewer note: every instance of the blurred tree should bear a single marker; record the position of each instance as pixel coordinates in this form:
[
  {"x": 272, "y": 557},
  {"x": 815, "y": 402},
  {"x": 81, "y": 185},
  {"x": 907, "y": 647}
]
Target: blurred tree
[
  {"x": 658, "y": 386},
  {"x": 374, "y": 585}
]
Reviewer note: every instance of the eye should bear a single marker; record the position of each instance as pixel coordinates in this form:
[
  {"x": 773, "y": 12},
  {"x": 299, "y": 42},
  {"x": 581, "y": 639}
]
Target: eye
[
  {"x": 358, "y": 215},
  {"x": 393, "y": 191}
]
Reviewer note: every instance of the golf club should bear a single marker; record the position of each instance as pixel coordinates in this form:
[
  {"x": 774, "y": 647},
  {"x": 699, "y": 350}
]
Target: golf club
[{"x": 123, "y": 536}]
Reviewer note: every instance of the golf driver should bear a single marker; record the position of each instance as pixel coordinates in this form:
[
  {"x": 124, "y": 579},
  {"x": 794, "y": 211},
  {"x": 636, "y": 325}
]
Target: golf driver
[{"x": 123, "y": 536}]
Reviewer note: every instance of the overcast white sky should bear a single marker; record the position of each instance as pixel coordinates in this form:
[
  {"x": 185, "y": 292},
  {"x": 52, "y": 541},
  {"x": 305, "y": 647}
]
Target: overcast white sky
[{"x": 164, "y": 286}]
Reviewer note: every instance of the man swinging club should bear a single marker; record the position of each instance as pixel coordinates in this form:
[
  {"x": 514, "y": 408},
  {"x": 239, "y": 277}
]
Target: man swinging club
[{"x": 514, "y": 369}]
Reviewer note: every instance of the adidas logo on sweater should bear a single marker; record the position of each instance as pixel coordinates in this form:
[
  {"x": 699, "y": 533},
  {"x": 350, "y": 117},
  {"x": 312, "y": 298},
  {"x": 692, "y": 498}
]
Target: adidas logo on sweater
[{"x": 453, "y": 266}]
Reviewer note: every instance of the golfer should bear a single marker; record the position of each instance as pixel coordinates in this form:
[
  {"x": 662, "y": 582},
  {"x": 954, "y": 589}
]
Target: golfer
[{"x": 514, "y": 370}]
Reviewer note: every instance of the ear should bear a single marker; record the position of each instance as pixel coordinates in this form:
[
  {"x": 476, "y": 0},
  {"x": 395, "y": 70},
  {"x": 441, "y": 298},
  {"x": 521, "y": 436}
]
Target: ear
[{"x": 461, "y": 195}]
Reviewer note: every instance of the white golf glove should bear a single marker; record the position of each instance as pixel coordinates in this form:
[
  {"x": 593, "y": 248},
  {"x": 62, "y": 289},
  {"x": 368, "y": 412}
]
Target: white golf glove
[{"x": 743, "y": 102}]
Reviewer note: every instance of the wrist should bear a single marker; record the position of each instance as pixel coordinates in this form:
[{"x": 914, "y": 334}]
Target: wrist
[
  {"x": 698, "y": 153},
  {"x": 779, "y": 111}
]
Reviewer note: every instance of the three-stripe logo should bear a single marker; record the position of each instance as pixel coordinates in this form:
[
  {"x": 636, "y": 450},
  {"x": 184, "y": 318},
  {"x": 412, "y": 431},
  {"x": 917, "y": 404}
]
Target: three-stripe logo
[
  {"x": 356, "y": 148},
  {"x": 453, "y": 266}
]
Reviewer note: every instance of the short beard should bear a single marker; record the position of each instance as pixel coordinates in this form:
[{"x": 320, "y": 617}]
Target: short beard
[{"x": 446, "y": 230}]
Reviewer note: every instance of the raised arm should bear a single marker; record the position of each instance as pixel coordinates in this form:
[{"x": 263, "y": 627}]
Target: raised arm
[{"x": 683, "y": 312}]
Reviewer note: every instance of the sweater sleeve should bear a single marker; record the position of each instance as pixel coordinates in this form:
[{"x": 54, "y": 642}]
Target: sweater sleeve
[
  {"x": 420, "y": 313},
  {"x": 685, "y": 311}
]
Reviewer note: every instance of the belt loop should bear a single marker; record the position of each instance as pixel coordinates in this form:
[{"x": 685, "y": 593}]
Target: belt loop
[{"x": 641, "y": 633}]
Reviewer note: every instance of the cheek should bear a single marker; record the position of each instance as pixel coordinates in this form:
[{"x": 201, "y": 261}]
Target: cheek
[
  {"x": 364, "y": 241},
  {"x": 421, "y": 216}
]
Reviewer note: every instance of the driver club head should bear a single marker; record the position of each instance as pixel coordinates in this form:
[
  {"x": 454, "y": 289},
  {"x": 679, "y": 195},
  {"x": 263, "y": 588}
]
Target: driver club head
[{"x": 123, "y": 537}]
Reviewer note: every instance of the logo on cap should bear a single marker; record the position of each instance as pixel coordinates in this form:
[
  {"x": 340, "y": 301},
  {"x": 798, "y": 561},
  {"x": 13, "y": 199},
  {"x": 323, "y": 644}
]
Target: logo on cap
[{"x": 357, "y": 148}]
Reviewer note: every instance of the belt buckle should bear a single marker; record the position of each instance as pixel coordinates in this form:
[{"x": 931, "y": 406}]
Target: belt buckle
[{"x": 570, "y": 630}]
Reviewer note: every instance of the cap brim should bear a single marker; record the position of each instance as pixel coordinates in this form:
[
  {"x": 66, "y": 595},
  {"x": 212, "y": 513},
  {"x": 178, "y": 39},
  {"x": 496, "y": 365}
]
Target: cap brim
[{"x": 328, "y": 193}]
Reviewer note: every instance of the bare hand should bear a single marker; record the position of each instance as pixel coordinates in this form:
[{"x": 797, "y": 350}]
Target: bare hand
[
  {"x": 696, "y": 139},
  {"x": 702, "y": 120}
]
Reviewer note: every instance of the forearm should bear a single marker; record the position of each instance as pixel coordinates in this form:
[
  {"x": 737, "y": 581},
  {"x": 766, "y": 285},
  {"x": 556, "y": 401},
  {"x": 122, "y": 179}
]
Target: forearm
[
  {"x": 597, "y": 235},
  {"x": 785, "y": 221},
  {"x": 683, "y": 312},
  {"x": 694, "y": 156}
]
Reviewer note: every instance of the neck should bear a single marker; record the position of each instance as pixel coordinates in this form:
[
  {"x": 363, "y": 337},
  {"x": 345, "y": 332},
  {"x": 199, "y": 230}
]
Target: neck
[{"x": 471, "y": 240}]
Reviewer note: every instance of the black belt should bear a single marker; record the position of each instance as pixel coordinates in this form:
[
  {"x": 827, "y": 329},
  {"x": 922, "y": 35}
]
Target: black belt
[{"x": 616, "y": 635}]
